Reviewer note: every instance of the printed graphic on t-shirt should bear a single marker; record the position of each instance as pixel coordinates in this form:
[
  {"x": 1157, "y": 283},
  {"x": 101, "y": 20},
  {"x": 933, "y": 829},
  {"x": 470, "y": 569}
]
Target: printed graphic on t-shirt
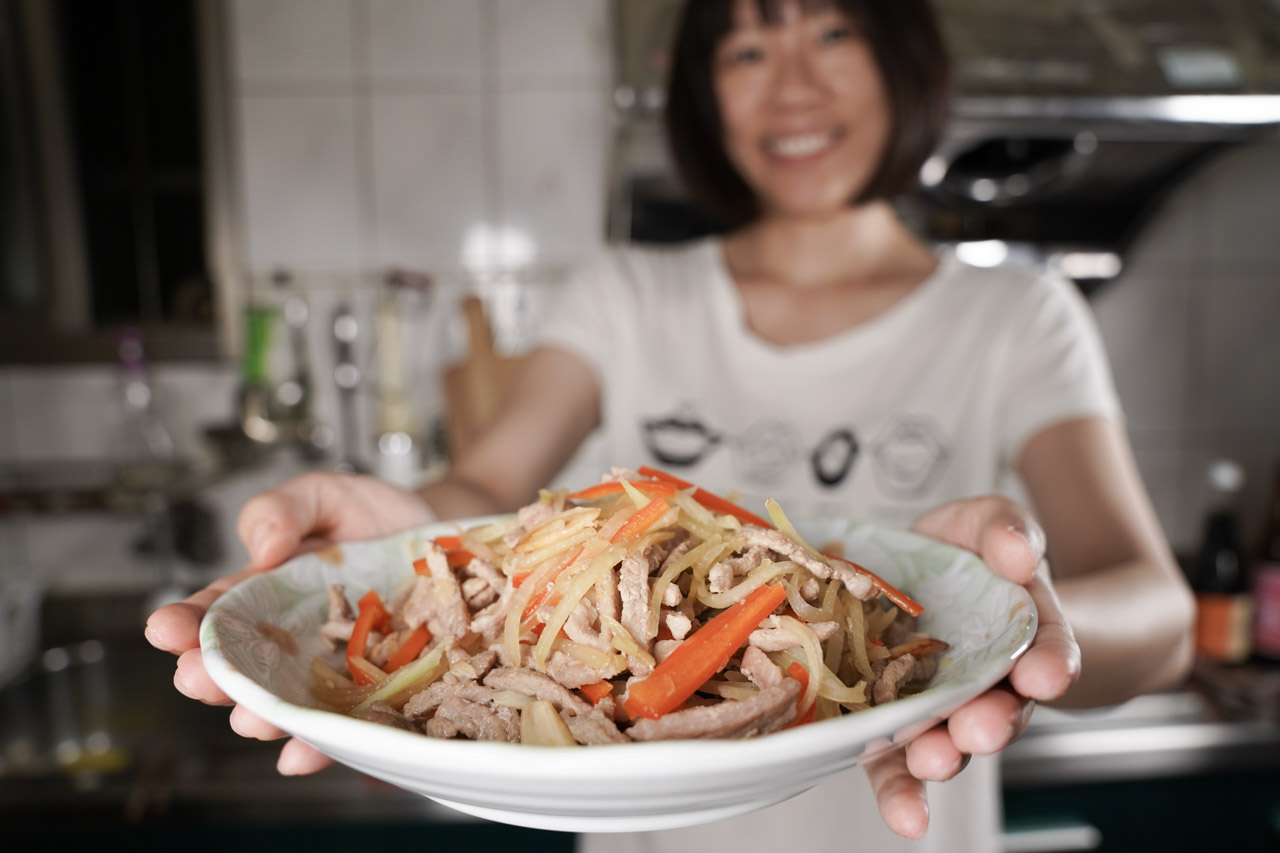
[
  {"x": 834, "y": 456},
  {"x": 765, "y": 453},
  {"x": 910, "y": 454},
  {"x": 907, "y": 457},
  {"x": 680, "y": 439}
]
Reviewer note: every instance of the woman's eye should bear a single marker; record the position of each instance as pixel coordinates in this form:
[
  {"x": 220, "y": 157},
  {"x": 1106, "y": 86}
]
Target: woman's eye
[
  {"x": 743, "y": 55},
  {"x": 836, "y": 34}
]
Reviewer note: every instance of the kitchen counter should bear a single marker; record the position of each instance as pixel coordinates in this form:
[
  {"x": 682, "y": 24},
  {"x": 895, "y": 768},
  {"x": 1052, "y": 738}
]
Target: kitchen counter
[
  {"x": 1186, "y": 770},
  {"x": 1162, "y": 735}
]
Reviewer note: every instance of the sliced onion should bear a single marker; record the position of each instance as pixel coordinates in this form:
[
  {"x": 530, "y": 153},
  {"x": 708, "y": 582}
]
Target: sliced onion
[
  {"x": 856, "y": 629},
  {"x": 540, "y": 725},
  {"x": 600, "y": 563}
]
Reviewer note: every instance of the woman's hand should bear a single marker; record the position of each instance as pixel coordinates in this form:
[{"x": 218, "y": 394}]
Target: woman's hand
[
  {"x": 1012, "y": 545},
  {"x": 307, "y": 512}
]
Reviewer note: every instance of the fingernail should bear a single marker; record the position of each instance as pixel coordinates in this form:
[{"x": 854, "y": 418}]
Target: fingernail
[
  {"x": 156, "y": 638},
  {"x": 1035, "y": 538},
  {"x": 997, "y": 743},
  {"x": 258, "y": 537},
  {"x": 288, "y": 764},
  {"x": 180, "y": 683}
]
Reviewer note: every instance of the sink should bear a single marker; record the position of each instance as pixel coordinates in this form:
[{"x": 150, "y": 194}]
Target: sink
[
  {"x": 94, "y": 726},
  {"x": 96, "y": 699}
]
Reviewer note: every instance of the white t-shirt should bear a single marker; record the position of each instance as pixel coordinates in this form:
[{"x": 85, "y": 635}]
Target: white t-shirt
[
  {"x": 930, "y": 401},
  {"x": 927, "y": 402}
]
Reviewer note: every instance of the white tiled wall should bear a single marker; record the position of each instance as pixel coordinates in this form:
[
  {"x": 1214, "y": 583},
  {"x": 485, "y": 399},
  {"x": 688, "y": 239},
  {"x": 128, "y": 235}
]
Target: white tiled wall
[
  {"x": 378, "y": 133},
  {"x": 1191, "y": 327},
  {"x": 367, "y": 134},
  {"x": 73, "y": 415}
]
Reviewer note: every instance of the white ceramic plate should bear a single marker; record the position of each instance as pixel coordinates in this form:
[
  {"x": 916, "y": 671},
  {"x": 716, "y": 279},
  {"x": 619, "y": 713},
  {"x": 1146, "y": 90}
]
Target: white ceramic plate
[{"x": 989, "y": 622}]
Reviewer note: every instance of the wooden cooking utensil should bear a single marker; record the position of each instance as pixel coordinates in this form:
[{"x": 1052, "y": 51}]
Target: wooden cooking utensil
[{"x": 474, "y": 387}]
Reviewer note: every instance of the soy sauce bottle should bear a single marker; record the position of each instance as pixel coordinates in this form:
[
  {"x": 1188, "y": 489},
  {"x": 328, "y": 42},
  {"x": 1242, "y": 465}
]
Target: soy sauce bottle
[
  {"x": 1223, "y": 602},
  {"x": 1265, "y": 580}
]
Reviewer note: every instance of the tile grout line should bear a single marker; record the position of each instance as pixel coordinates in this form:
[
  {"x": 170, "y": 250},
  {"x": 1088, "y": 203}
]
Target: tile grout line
[
  {"x": 1194, "y": 444},
  {"x": 362, "y": 88},
  {"x": 491, "y": 106}
]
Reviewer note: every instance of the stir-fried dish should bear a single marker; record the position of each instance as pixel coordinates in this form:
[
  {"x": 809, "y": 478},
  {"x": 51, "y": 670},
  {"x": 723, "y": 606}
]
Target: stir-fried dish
[{"x": 640, "y": 609}]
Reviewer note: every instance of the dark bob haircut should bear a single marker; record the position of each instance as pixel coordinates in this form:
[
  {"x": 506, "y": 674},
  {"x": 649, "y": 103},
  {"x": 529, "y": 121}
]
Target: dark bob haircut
[{"x": 908, "y": 48}]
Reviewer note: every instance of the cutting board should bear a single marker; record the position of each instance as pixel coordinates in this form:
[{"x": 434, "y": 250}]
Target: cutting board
[{"x": 474, "y": 386}]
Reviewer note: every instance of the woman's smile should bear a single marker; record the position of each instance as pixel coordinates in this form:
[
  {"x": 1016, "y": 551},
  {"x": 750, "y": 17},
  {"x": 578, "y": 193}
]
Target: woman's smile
[{"x": 802, "y": 146}]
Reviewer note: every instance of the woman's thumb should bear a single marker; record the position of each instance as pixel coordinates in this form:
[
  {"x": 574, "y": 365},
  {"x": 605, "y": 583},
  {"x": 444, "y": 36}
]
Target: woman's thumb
[{"x": 271, "y": 529}]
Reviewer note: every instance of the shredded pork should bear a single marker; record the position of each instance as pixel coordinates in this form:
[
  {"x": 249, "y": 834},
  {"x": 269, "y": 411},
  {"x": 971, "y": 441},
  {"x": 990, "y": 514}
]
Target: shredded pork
[{"x": 486, "y": 607}]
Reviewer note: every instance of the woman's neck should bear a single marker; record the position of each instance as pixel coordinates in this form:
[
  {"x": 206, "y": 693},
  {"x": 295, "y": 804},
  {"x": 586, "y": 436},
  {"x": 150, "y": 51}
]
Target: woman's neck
[
  {"x": 862, "y": 245},
  {"x": 803, "y": 280}
]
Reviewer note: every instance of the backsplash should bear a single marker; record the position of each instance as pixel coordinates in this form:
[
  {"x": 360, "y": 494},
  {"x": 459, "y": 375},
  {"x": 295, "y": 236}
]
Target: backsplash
[
  {"x": 376, "y": 133},
  {"x": 453, "y": 137},
  {"x": 1190, "y": 329}
]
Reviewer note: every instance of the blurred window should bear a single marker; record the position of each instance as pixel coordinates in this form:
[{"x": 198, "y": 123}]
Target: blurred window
[{"x": 104, "y": 206}]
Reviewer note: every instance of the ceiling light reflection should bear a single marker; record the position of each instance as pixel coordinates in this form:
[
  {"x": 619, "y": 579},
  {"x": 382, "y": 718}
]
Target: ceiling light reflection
[{"x": 983, "y": 253}]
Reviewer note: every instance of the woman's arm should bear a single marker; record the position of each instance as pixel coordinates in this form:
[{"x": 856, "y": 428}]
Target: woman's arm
[
  {"x": 551, "y": 406},
  {"x": 1116, "y": 586},
  {"x": 1120, "y": 587}
]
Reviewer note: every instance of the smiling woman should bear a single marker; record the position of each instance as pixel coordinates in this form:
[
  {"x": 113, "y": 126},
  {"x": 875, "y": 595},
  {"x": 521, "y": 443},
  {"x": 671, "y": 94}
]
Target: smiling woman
[
  {"x": 820, "y": 353},
  {"x": 894, "y": 61},
  {"x": 107, "y": 175}
]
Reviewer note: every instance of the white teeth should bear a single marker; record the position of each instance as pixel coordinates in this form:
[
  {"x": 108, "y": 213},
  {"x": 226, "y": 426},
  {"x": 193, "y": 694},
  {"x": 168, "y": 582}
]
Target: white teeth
[{"x": 801, "y": 145}]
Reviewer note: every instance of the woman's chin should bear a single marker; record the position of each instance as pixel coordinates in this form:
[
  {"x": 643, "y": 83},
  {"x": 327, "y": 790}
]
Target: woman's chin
[{"x": 802, "y": 209}]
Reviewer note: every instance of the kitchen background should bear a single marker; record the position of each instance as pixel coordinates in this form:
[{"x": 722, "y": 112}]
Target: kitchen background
[
  {"x": 459, "y": 138},
  {"x": 474, "y": 143}
]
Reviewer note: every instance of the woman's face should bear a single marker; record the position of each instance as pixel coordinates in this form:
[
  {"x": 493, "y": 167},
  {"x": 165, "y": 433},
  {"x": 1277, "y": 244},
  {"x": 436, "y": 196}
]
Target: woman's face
[{"x": 803, "y": 107}]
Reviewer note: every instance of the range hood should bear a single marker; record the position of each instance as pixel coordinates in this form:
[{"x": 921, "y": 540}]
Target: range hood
[
  {"x": 1071, "y": 120},
  {"x": 1114, "y": 48}
]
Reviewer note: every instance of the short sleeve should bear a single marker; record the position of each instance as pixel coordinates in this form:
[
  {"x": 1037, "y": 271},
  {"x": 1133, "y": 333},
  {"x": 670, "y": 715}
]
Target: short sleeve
[
  {"x": 581, "y": 319},
  {"x": 1056, "y": 367}
]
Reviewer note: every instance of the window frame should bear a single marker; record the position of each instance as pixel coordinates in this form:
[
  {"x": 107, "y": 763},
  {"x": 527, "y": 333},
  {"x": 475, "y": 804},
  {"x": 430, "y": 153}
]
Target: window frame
[{"x": 60, "y": 328}]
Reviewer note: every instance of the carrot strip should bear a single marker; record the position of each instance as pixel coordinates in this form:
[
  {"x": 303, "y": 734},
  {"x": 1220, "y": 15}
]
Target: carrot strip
[
  {"x": 449, "y": 543},
  {"x": 596, "y": 692},
  {"x": 702, "y": 655},
  {"x": 888, "y": 590},
  {"x": 410, "y": 648},
  {"x": 540, "y": 597},
  {"x": 458, "y": 557},
  {"x": 710, "y": 500},
  {"x": 641, "y": 519},
  {"x": 372, "y": 614},
  {"x": 601, "y": 490},
  {"x": 371, "y": 599},
  {"x": 715, "y": 503},
  {"x": 455, "y": 557},
  {"x": 800, "y": 674},
  {"x": 659, "y": 474}
]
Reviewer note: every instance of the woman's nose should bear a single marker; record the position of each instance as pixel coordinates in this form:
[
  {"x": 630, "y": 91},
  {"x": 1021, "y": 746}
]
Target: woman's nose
[{"x": 797, "y": 81}]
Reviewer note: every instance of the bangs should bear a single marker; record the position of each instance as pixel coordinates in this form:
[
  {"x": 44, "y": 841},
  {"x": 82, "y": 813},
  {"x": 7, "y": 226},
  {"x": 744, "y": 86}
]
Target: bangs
[
  {"x": 770, "y": 11},
  {"x": 718, "y": 15}
]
